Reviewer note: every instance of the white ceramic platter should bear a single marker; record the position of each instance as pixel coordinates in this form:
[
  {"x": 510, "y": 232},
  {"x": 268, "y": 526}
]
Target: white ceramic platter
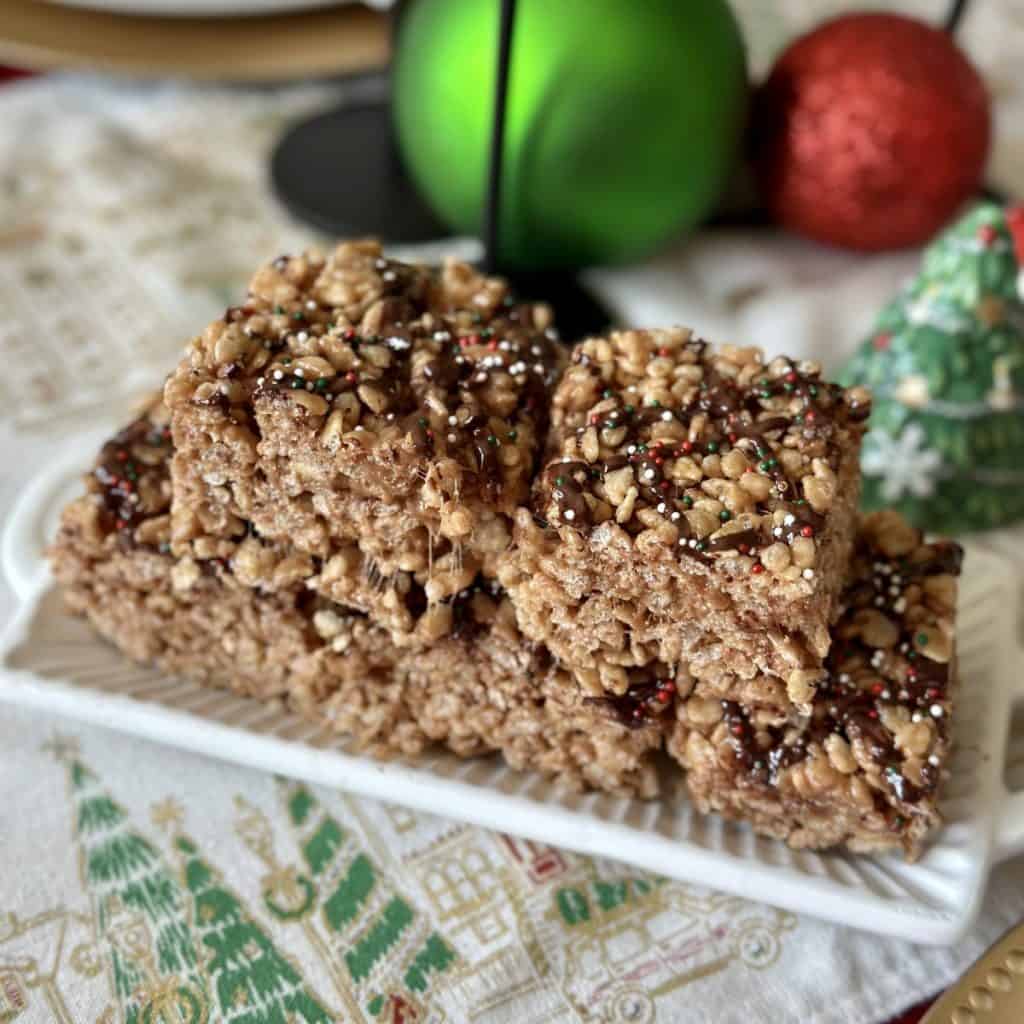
[{"x": 53, "y": 662}]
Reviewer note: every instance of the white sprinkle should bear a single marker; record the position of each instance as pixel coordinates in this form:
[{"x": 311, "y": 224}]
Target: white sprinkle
[
  {"x": 661, "y": 507},
  {"x": 278, "y": 374},
  {"x": 388, "y": 275},
  {"x": 900, "y": 606},
  {"x": 933, "y": 760},
  {"x": 536, "y": 350},
  {"x": 936, "y": 711},
  {"x": 789, "y": 520},
  {"x": 649, "y": 474},
  {"x": 676, "y": 516},
  {"x": 302, "y": 336},
  {"x": 299, "y": 372},
  {"x": 538, "y": 367},
  {"x": 666, "y": 416},
  {"x": 808, "y": 574},
  {"x": 879, "y": 601},
  {"x": 452, "y": 421},
  {"x": 441, "y": 336},
  {"x": 310, "y": 304},
  {"x": 565, "y": 458},
  {"x": 631, "y": 389},
  {"x": 551, "y": 333},
  {"x": 569, "y": 514},
  {"x": 359, "y": 426},
  {"x": 916, "y": 717},
  {"x": 309, "y": 387},
  {"x": 631, "y": 449},
  {"x": 886, "y": 694},
  {"x": 897, "y": 578},
  {"x": 777, "y": 532},
  {"x": 390, "y": 416},
  {"x": 397, "y": 343},
  {"x": 844, "y": 677},
  {"x": 452, "y": 438},
  {"x": 895, "y": 591}
]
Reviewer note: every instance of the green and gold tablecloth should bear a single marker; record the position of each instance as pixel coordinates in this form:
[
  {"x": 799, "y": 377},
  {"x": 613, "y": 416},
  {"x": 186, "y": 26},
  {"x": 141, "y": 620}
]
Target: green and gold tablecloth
[{"x": 144, "y": 885}]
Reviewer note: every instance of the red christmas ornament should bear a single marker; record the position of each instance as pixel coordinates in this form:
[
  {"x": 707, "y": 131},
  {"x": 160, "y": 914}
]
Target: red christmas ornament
[{"x": 870, "y": 132}]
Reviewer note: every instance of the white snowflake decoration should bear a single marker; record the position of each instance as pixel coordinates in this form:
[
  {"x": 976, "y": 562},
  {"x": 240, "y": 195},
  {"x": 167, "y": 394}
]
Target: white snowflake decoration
[{"x": 904, "y": 463}]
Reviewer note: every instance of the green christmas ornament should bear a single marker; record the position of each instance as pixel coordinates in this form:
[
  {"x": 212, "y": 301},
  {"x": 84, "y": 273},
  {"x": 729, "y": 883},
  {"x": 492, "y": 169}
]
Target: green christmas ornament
[
  {"x": 946, "y": 365},
  {"x": 623, "y": 124}
]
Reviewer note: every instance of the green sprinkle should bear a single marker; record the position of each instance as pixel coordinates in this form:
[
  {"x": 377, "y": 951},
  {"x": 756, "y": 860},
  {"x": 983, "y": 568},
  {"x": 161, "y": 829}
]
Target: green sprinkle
[
  {"x": 491, "y": 439},
  {"x": 630, "y": 410},
  {"x": 712, "y": 447},
  {"x": 559, "y": 481},
  {"x": 607, "y": 393},
  {"x": 279, "y": 310},
  {"x": 922, "y": 639},
  {"x": 687, "y": 501},
  {"x": 512, "y": 435},
  {"x": 321, "y": 384},
  {"x": 725, "y": 515},
  {"x": 298, "y": 315},
  {"x": 812, "y": 391},
  {"x": 422, "y": 421},
  {"x": 655, "y": 404}
]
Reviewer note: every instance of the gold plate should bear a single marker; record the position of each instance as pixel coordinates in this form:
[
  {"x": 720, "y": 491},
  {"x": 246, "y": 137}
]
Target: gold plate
[
  {"x": 991, "y": 992},
  {"x": 42, "y": 36}
]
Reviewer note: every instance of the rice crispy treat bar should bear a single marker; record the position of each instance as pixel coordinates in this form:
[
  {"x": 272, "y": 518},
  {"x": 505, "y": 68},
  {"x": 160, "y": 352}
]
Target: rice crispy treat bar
[
  {"x": 864, "y": 768},
  {"x": 382, "y": 418},
  {"x": 696, "y": 507},
  {"x": 481, "y": 688}
]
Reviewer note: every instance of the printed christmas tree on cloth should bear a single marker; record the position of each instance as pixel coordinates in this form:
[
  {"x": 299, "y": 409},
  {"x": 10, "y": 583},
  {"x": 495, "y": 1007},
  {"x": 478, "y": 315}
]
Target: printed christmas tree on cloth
[
  {"x": 945, "y": 363},
  {"x": 251, "y": 981},
  {"x": 141, "y": 912},
  {"x": 371, "y": 928}
]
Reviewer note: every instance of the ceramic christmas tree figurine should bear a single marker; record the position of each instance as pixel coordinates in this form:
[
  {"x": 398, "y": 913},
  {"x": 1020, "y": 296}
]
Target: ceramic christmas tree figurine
[{"x": 946, "y": 365}]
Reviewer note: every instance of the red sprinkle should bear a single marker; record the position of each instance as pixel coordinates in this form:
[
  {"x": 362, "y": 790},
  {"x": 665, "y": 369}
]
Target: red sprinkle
[
  {"x": 757, "y": 568},
  {"x": 877, "y": 688},
  {"x": 664, "y": 351},
  {"x": 737, "y": 730},
  {"x": 351, "y": 377},
  {"x": 807, "y": 531},
  {"x": 664, "y": 696},
  {"x": 872, "y": 713},
  {"x": 882, "y": 342},
  {"x": 687, "y": 446},
  {"x": 122, "y": 456},
  {"x": 791, "y": 377},
  {"x": 987, "y": 234}
]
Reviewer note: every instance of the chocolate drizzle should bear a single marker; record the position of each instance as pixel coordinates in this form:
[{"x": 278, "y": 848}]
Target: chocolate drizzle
[
  {"x": 118, "y": 474},
  {"x": 755, "y": 418},
  {"x": 861, "y": 682},
  {"x": 650, "y": 693}
]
